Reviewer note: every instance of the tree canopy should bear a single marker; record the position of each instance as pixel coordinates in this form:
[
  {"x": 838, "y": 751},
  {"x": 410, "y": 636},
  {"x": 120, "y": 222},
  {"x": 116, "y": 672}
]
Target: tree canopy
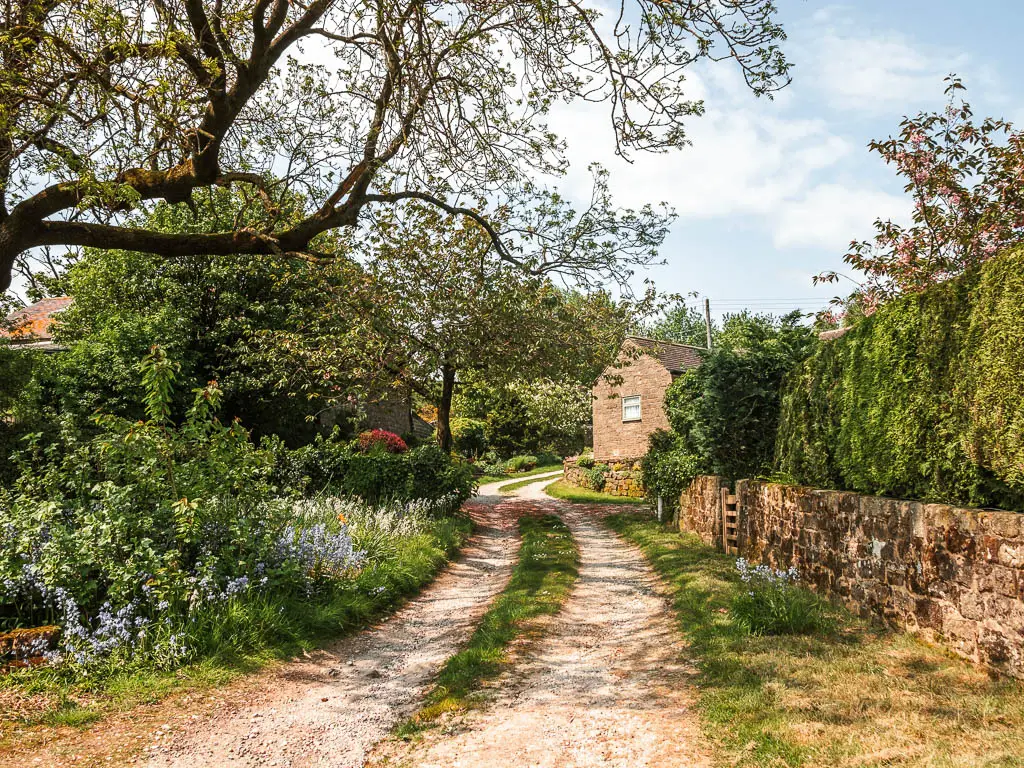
[
  {"x": 445, "y": 306},
  {"x": 107, "y": 106}
]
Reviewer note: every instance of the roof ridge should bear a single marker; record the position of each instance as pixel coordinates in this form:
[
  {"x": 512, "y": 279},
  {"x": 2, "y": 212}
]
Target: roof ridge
[{"x": 665, "y": 341}]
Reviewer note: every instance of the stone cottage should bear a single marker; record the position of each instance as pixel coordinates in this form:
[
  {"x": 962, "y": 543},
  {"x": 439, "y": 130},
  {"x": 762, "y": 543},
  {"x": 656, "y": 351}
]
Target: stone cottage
[{"x": 629, "y": 397}]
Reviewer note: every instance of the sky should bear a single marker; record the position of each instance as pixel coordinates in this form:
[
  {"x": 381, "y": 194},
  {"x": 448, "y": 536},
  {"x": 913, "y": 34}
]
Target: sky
[{"x": 771, "y": 192}]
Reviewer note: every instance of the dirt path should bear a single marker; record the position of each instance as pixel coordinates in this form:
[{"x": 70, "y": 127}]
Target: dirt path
[{"x": 607, "y": 685}]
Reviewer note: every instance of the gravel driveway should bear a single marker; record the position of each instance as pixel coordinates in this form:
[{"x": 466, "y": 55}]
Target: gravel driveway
[{"x": 606, "y": 685}]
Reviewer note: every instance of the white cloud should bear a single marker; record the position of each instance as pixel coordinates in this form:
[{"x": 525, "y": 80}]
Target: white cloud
[
  {"x": 743, "y": 161},
  {"x": 873, "y": 72},
  {"x": 796, "y": 170},
  {"x": 830, "y": 215}
]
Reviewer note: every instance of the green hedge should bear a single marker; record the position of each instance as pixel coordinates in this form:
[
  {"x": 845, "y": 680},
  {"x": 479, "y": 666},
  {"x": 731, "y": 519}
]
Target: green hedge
[
  {"x": 923, "y": 400},
  {"x": 331, "y": 466}
]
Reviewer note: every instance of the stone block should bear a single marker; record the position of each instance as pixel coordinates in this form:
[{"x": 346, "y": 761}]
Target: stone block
[{"x": 1005, "y": 525}]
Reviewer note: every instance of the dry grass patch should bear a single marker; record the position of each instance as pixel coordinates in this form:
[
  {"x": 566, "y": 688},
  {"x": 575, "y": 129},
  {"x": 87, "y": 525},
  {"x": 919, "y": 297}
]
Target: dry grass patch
[{"x": 857, "y": 696}]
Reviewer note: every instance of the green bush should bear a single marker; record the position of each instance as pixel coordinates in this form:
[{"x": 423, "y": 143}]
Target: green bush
[
  {"x": 726, "y": 412},
  {"x": 595, "y": 477},
  {"x": 545, "y": 458},
  {"x": 330, "y": 466},
  {"x": 668, "y": 467},
  {"x": 920, "y": 400},
  {"x": 152, "y": 543},
  {"x": 521, "y": 463},
  {"x": 724, "y": 415},
  {"x": 771, "y": 602},
  {"x": 469, "y": 436},
  {"x": 585, "y": 461}
]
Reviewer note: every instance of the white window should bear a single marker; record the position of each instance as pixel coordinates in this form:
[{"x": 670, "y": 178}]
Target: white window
[{"x": 631, "y": 408}]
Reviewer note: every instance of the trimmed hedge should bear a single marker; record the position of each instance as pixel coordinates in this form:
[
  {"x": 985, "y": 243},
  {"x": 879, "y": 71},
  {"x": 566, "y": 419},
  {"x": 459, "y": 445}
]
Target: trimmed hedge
[{"x": 922, "y": 400}]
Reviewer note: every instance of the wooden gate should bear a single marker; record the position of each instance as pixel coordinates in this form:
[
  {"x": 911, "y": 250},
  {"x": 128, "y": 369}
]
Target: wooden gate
[{"x": 730, "y": 523}]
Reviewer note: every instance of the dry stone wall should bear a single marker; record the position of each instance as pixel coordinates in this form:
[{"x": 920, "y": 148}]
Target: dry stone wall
[
  {"x": 955, "y": 575},
  {"x": 622, "y": 478}
]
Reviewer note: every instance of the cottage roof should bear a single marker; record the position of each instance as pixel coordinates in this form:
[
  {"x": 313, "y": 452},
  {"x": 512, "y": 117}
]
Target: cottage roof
[
  {"x": 835, "y": 333},
  {"x": 676, "y": 357},
  {"x": 32, "y": 323}
]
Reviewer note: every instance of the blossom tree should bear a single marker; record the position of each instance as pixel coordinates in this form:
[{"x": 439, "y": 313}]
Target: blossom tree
[{"x": 966, "y": 179}]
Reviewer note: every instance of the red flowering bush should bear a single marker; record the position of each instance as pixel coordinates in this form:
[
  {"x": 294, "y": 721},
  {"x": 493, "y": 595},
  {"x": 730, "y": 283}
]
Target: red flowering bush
[{"x": 389, "y": 441}]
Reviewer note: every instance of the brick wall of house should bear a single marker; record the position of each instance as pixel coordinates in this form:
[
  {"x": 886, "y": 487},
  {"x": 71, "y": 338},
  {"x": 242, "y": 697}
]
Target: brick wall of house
[
  {"x": 953, "y": 575},
  {"x": 613, "y": 439}
]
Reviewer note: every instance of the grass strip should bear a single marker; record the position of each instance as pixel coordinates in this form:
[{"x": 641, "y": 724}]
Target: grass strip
[
  {"x": 268, "y": 631},
  {"x": 541, "y": 582},
  {"x": 483, "y": 480},
  {"x": 511, "y": 487},
  {"x": 562, "y": 490},
  {"x": 858, "y": 696}
]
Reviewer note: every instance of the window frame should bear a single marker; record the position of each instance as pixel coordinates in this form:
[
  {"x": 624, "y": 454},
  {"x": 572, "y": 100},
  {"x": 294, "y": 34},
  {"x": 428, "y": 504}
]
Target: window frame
[{"x": 639, "y": 408}]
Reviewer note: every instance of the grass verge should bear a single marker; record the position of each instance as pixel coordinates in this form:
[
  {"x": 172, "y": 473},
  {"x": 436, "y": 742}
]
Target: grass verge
[
  {"x": 512, "y": 487},
  {"x": 859, "y": 696},
  {"x": 536, "y": 471},
  {"x": 540, "y": 583},
  {"x": 566, "y": 492},
  {"x": 31, "y": 700}
]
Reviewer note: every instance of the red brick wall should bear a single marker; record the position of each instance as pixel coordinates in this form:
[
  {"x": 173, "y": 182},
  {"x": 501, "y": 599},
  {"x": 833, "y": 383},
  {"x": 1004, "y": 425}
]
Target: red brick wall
[{"x": 613, "y": 439}]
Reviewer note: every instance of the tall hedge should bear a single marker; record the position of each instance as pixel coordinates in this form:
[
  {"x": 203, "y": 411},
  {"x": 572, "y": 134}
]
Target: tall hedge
[{"x": 924, "y": 399}]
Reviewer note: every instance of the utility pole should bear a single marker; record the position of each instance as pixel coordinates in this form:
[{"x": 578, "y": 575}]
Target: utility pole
[{"x": 707, "y": 319}]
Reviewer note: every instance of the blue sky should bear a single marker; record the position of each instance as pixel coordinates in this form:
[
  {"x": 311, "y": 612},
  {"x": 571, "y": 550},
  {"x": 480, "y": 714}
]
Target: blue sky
[{"x": 771, "y": 192}]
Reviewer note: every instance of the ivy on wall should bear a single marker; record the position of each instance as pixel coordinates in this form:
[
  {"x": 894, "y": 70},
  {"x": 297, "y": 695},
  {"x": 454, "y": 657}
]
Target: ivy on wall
[{"x": 924, "y": 399}]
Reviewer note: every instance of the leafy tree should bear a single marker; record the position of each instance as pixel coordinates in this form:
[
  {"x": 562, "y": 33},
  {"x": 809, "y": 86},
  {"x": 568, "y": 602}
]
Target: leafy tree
[
  {"x": 684, "y": 324},
  {"x": 559, "y": 412},
  {"x": 247, "y": 324},
  {"x": 724, "y": 415},
  {"x": 446, "y": 306},
  {"x": 106, "y": 107},
  {"x": 964, "y": 178}
]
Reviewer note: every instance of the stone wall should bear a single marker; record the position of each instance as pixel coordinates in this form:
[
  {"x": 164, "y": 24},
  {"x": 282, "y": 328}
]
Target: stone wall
[
  {"x": 954, "y": 575},
  {"x": 618, "y": 440},
  {"x": 697, "y": 505},
  {"x": 622, "y": 478}
]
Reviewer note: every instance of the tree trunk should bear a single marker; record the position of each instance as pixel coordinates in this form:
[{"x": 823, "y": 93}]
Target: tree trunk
[{"x": 444, "y": 408}]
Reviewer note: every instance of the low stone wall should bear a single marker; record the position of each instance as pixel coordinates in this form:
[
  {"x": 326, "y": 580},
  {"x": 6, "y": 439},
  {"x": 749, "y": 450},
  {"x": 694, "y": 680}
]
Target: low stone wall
[
  {"x": 954, "y": 575},
  {"x": 697, "y": 505},
  {"x": 622, "y": 478}
]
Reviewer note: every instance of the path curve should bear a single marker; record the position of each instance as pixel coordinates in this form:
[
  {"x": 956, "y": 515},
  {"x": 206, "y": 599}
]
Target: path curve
[
  {"x": 607, "y": 685},
  {"x": 331, "y": 709}
]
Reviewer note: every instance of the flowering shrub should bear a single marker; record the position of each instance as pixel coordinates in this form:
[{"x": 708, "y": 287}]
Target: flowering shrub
[
  {"x": 773, "y": 603},
  {"x": 148, "y": 542},
  {"x": 381, "y": 439},
  {"x": 965, "y": 181},
  {"x": 332, "y": 467}
]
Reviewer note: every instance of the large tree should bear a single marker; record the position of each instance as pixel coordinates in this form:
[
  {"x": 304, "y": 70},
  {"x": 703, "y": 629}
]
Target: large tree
[
  {"x": 107, "y": 105},
  {"x": 448, "y": 307}
]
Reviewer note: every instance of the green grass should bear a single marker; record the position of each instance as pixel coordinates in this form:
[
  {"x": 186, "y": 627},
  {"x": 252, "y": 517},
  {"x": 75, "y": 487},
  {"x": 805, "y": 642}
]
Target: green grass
[
  {"x": 562, "y": 490},
  {"x": 536, "y": 471},
  {"x": 510, "y": 487},
  {"x": 858, "y": 696},
  {"x": 540, "y": 583},
  {"x": 246, "y": 638}
]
